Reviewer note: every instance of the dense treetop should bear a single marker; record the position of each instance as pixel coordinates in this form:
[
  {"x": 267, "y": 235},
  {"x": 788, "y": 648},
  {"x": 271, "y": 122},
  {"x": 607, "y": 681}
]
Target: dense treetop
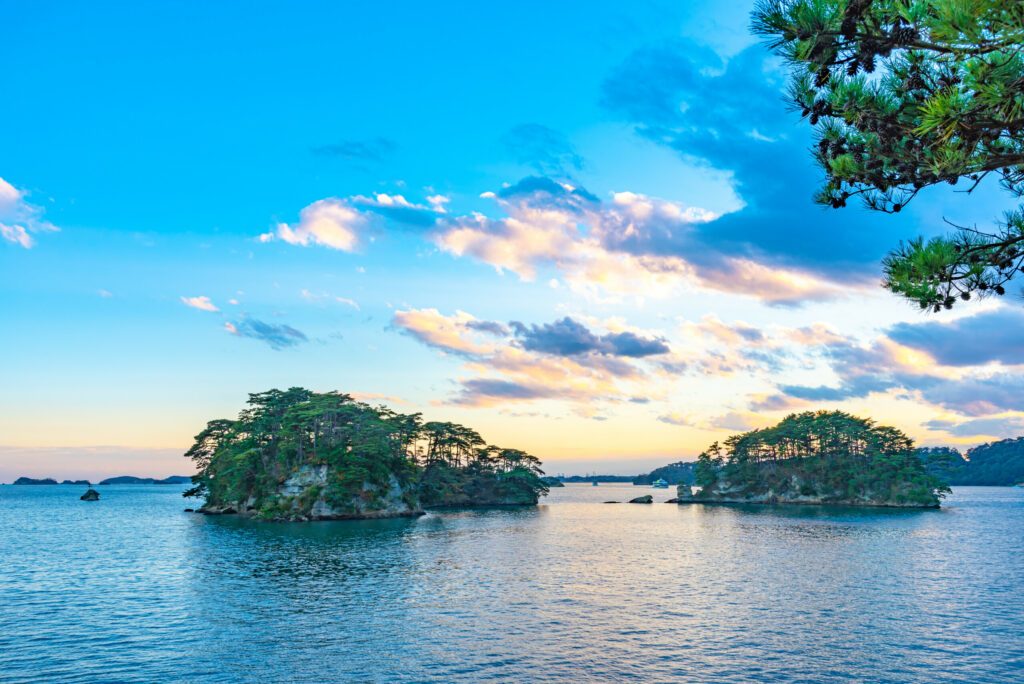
[
  {"x": 996, "y": 463},
  {"x": 680, "y": 472},
  {"x": 906, "y": 94},
  {"x": 945, "y": 463}
]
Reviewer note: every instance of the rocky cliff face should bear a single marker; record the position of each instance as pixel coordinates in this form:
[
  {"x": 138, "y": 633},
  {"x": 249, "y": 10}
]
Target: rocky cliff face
[
  {"x": 307, "y": 495},
  {"x": 312, "y": 492},
  {"x": 797, "y": 489}
]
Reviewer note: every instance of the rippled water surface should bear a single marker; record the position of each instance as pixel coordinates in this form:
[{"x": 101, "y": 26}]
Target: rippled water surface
[{"x": 133, "y": 589}]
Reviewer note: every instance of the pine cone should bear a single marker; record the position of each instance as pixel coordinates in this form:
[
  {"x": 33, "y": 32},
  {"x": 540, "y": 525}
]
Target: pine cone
[{"x": 823, "y": 77}]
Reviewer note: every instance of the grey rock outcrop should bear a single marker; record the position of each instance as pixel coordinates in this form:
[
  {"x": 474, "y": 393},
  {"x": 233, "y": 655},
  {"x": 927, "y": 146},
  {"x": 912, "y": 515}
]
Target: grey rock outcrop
[
  {"x": 684, "y": 493},
  {"x": 305, "y": 495}
]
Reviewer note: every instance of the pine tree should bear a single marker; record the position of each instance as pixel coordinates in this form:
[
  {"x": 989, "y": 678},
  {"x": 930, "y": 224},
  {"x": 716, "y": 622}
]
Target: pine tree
[{"x": 907, "y": 94}]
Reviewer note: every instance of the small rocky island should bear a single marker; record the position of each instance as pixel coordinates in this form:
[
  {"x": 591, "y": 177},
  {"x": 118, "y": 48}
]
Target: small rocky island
[
  {"x": 823, "y": 457},
  {"x": 302, "y": 455}
]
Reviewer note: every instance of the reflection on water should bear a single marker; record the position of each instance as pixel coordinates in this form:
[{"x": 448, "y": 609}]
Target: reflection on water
[{"x": 133, "y": 589}]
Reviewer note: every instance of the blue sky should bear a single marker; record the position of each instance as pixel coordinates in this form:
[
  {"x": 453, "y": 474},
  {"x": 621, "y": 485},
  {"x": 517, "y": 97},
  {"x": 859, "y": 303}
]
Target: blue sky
[{"x": 584, "y": 229}]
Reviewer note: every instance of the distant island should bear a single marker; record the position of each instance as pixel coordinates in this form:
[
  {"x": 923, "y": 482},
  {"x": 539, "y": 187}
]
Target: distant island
[
  {"x": 124, "y": 479},
  {"x": 824, "y": 457},
  {"x": 999, "y": 464},
  {"x": 302, "y": 455},
  {"x": 128, "y": 479},
  {"x": 680, "y": 472},
  {"x": 596, "y": 478}
]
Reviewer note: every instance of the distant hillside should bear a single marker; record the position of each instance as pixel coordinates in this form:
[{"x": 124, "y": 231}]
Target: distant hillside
[
  {"x": 128, "y": 479},
  {"x": 680, "y": 472},
  {"x": 596, "y": 478},
  {"x": 31, "y": 481},
  {"x": 945, "y": 463},
  {"x": 999, "y": 464}
]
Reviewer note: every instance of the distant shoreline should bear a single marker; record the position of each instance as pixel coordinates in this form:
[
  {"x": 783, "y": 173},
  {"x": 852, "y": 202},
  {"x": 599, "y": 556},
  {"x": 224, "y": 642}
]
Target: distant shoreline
[{"x": 121, "y": 479}]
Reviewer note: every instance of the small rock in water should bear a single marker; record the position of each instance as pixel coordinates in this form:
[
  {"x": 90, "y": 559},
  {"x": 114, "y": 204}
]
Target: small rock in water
[
  {"x": 647, "y": 498},
  {"x": 676, "y": 500},
  {"x": 613, "y": 502},
  {"x": 190, "y": 510},
  {"x": 90, "y": 495}
]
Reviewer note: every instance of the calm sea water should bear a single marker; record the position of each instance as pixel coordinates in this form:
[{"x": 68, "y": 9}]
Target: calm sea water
[{"x": 132, "y": 589}]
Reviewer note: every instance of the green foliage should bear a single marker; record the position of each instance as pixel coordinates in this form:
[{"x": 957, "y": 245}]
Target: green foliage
[
  {"x": 483, "y": 483},
  {"x": 709, "y": 465},
  {"x": 845, "y": 457},
  {"x": 997, "y": 464},
  {"x": 364, "y": 447},
  {"x": 945, "y": 463},
  {"x": 680, "y": 472},
  {"x": 906, "y": 94}
]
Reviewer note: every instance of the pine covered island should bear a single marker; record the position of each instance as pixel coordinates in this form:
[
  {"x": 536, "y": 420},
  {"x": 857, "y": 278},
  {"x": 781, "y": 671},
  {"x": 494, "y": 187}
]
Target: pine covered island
[
  {"x": 822, "y": 457},
  {"x": 302, "y": 455}
]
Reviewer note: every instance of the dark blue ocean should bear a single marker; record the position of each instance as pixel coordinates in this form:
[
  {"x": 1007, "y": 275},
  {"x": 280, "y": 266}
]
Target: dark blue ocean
[{"x": 132, "y": 589}]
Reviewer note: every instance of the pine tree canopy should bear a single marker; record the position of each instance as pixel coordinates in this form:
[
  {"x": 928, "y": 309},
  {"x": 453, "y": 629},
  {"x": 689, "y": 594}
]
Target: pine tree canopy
[{"x": 906, "y": 94}]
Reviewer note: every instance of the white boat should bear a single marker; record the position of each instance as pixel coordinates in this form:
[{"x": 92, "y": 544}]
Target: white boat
[{"x": 660, "y": 484}]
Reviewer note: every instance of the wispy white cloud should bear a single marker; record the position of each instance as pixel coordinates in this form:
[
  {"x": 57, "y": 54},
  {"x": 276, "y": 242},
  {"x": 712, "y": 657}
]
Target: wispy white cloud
[
  {"x": 631, "y": 245},
  {"x": 438, "y": 202},
  {"x": 616, "y": 248},
  {"x": 201, "y": 302},
  {"x": 20, "y": 220},
  {"x": 343, "y": 223},
  {"x": 451, "y": 334},
  {"x": 332, "y": 223},
  {"x": 327, "y": 297}
]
